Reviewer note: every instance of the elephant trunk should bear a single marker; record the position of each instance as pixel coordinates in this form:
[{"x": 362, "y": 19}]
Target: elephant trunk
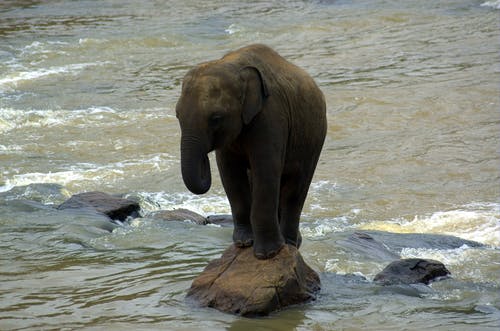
[{"x": 195, "y": 165}]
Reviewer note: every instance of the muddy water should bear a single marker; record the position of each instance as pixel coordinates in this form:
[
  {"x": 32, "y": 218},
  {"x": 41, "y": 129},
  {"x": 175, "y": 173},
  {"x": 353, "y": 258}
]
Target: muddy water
[{"x": 87, "y": 96}]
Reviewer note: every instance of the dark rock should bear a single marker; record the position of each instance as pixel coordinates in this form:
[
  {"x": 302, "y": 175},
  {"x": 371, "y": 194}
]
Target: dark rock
[
  {"x": 397, "y": 241},
  {"x": 179, "y": 215},
  {"x": 114, "y": 207},
  {"x": 241, "y": 284},
  {"x": 364, "y": 244},
  {"x": 411, "y": 271},
  {"x": 222, "y": 220}
]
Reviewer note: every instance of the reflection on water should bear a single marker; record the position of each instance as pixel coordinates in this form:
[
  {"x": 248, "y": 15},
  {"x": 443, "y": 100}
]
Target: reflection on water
[{"x": 87, "y": 97}]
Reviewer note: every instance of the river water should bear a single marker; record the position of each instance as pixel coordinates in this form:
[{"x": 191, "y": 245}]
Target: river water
[{"x": 87, "y": 97}]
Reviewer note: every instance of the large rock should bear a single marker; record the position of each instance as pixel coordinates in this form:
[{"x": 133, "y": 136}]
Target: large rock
[
  {"x": 396, "y": 242},
  {"x": 411, "y": 271},
  {"x": 114, "y": 207},
  {"x": 241, "y": 284},
  {"x": 365, "y": 245},
  {"x": 180, "y": 214}
]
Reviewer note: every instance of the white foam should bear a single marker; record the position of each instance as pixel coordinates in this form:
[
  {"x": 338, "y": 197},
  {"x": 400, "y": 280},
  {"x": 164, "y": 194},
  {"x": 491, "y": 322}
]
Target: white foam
[
  {"x": 11, "y": 119},
  {"x": 82, "y": 173},
  {"x": 204, "y": 205},
  {"x": 478, "y": 221},
  {"x": 319, "y": 192},
  {"x": 62, "y": 177},
  {"x": 46, "y": 47},
  {"x": 323, "y": 186},
  {"x": 233, "y": 29},
  {"x": 455, "y": 256},
  {"x": 13, "y": 79},
  {"x": 491, "y": 4},
  {"x": 14, "y": 118},
  {"x": 321, "y": 228},
  {"x": 465, "y": 262}
]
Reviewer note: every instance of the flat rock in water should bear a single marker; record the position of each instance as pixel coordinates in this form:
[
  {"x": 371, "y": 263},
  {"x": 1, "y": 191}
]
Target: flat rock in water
[
  {"x": 241, "y": 284},
  {"x": 398, "y": 241},
  {"x": 114, "y": 207},
  {"x": 411, "y": 271},
  {"x": 224, "y": 220},
  {"x": 363, "y": 243},
  {"x": 179, "y": 215}
]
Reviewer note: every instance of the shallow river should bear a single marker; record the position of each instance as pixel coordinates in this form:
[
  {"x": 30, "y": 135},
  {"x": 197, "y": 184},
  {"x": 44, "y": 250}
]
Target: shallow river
[{"x": 87, "y": 97}]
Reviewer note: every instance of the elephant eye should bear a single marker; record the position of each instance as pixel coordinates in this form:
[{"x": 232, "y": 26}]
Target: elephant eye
[{"x": 215, "y": 119}]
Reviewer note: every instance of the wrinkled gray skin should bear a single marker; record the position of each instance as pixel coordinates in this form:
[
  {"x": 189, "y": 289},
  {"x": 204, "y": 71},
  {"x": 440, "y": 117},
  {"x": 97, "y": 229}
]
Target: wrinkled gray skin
[{"x": 266, "y": 120}]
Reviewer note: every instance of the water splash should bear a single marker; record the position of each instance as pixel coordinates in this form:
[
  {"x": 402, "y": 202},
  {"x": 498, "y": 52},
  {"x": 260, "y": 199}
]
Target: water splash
[
  {"x": 479, "y": 222},
  {"x": 491, "y": 4}
]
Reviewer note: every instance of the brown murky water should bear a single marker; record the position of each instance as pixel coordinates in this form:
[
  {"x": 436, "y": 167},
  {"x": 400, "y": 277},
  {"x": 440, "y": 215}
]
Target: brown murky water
[{"x": 87, "y": 96}]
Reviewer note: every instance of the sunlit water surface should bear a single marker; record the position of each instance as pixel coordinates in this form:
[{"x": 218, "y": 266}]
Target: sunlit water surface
[{"x": 87, "y": 97}]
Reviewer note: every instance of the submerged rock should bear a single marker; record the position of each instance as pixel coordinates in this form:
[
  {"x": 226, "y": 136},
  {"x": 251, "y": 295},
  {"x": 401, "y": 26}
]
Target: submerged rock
[
  {"x": 364, "y": 244},
  {"x": 44, "y": 193},
  {"x": 396, "y": 242},
  {"x": 224, "y": 220},
  {"x": 241, "y": 284},
  {"x": 411, "y": 271},
  {"x": 114, "y": 207},
  {"x": 180, "y": 214}
]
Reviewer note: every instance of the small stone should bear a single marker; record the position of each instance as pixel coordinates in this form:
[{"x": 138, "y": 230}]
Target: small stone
[
  {"x": 114, "y": 207},
  {"x": 241, "y": 284},
  {"x": 411, "y": 271},
  {"x": 179, "y": 215}
]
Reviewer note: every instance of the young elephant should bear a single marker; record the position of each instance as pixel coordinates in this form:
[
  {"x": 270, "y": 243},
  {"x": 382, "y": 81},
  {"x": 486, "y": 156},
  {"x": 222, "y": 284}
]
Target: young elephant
[{"x": 266, "y": 120}]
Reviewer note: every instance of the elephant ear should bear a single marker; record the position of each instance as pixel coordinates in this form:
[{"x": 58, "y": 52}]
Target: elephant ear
[{"x": 254, "y": 92}]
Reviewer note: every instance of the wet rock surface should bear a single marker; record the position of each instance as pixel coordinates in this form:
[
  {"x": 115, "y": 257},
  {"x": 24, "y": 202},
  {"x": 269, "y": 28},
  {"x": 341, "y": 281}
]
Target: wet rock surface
[
  {"x": 411, "y": 271},
  {"x": 397, "y": 241},
  {"x": 180, "y": 214},
  {"x": 114, "y": 207},
  {"x": 224, "y": 220},
  {"x": 241, "y": 284},
  {"x": 364, "y": 244}
]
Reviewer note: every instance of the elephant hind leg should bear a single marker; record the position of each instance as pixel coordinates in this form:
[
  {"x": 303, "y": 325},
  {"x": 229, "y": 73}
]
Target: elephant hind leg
[
  {"x": 292, "y": 196},
  {"x": 293, "y": 193}
]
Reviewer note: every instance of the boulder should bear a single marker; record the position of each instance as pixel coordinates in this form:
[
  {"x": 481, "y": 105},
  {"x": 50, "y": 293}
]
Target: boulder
[
  {"x": 180, "y": 214},
  {"x": 114, "y": 207},
  {"x": 224, "y": 220},
  {"x": 364, "y": 244},
  {"x": 411, "y": 271},
  {"x": 396, "y": 242},
  {"x": 241, "y": 284}
]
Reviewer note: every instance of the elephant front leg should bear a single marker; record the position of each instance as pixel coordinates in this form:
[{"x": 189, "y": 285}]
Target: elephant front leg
[
  {"x": 233, "y": 172},
  {"x": 268, "y": 239}
]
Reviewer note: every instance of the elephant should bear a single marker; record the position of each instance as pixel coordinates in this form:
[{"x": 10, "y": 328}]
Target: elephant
[{"x": 265, "y": 118}]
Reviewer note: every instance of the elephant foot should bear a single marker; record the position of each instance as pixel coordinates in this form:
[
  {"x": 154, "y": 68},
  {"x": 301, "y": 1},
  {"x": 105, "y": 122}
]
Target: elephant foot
[
  {"x": 242, "y": 236},
  {"x": 267, "y": 250},
  {"x": 295, "y": 242}
]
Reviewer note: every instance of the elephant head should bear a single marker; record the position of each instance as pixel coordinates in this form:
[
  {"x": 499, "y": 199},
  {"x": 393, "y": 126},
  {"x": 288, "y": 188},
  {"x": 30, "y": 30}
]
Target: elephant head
[{"x": 216, "y": 102}]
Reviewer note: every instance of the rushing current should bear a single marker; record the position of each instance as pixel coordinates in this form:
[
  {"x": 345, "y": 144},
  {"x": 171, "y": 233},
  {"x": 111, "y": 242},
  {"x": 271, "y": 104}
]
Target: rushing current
[{"x": 87, "y": 97}]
